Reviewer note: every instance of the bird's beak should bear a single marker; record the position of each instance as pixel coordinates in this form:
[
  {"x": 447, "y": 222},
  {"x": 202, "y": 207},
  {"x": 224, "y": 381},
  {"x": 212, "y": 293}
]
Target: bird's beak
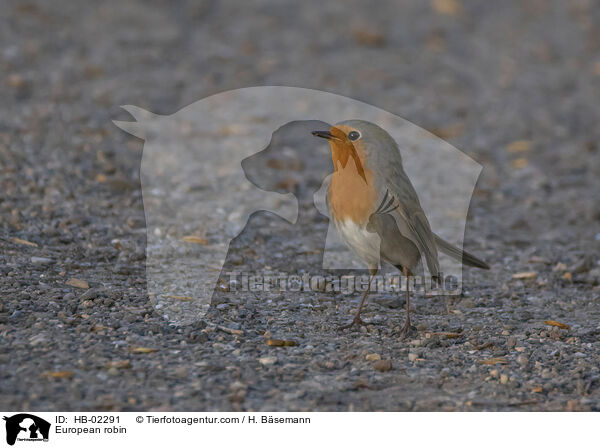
[{"x": 325, "y": 134}]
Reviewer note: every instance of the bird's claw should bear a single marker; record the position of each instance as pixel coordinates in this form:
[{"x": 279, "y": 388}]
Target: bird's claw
[{"x": 407, "y": 330}]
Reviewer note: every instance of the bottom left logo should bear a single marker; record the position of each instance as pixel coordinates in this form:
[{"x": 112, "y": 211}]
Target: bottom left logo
[{"x": 26, "y": 428}]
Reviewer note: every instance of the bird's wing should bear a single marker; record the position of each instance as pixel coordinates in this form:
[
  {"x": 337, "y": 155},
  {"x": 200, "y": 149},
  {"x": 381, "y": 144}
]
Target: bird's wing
[
  {"x": 406, "y": 209},
  {"x": 394, "y": 248}
]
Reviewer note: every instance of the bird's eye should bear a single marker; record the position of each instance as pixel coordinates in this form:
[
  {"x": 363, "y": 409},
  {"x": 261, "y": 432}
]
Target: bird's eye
[{"x": 354, "y": 135}]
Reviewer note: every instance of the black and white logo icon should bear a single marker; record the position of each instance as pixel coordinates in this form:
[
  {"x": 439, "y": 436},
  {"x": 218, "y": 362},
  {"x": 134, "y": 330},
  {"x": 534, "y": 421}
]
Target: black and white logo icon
[{"x": 26, "y": 428}]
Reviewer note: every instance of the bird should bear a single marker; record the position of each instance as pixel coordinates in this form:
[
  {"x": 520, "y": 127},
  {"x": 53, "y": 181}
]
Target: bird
[{"x": 376, "y": 210}]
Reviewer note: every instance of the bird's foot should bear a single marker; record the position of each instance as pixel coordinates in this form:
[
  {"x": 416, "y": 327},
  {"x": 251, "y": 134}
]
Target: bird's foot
[
  {"x": 356, "y": 321},
  {"x": 407, "y": 330}
]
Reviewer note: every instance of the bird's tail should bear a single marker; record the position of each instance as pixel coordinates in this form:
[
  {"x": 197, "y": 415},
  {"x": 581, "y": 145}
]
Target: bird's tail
[{"x": 465, "y": 257}]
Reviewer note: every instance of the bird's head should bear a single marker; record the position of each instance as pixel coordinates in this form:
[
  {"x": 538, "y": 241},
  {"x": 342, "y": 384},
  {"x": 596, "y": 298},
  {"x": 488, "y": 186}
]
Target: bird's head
[{"x": 359, "y": 140}]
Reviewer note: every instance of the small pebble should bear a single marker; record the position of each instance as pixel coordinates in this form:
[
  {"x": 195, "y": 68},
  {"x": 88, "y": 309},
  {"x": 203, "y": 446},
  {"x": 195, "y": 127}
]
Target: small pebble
[
  {"x": 383, "y": 365},
  {"x": 467, "y": 303},
  {"x": 267, "y": 360},
  {"x": 91, "y": 293},
  {"x": 181, "y": 372}
]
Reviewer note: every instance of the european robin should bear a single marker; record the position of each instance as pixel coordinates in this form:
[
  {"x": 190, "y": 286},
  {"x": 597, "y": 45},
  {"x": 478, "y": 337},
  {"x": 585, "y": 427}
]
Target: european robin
[{"x": 376, "y": 209}]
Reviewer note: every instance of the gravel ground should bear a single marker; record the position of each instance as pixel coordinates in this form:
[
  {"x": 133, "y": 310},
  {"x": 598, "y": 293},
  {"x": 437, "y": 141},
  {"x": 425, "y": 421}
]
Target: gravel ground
[{"x": 516, "y": 85}]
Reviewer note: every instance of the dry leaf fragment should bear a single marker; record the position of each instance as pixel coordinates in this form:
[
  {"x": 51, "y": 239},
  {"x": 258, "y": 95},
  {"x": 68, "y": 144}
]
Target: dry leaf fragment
[
  {"x": 142, "y": 350},
  {"x": 554, "y": 323},
  {"x": 559, "y": 267},
  {"x": 530, "y": 275},
  {"x": 519, "y": 163},
  {"x": 181, "y": 298},
  {"x": 280, "y": 343},
  {"x": 492, "y": 361},
  {"x": 449, "y": 132},
  {"x": 15, "y": 81},
  {"x": 519, "y": 146},
  {"x": 78, "y": 283},
  {"x": 369, "y": 38},
  {"x": 195, "y": 239},
  {"x": 231, "y": 129},
  {"x": 448, "y": 334},
  {"x": 58, "y": 374},
  {"x": 537, "y": 259},
  {"x": 23, "y": 242},
  {"x": 447, "y": 7},
  {"x": 231, "y": 330}
]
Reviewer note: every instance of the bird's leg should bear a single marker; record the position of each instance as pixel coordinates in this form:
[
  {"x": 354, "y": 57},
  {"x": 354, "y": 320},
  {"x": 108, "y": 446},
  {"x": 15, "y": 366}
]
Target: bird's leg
[
  {"x": 407, "y": 326},
  {"x": 357, "y": 320}
]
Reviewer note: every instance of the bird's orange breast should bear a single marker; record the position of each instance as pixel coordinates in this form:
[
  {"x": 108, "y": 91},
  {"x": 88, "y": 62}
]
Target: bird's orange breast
[{"x": 352, "y": 195}]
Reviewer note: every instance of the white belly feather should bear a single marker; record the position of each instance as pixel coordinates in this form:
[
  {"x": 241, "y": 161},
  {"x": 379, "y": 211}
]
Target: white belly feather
[{"x": 363, "y": 243}]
